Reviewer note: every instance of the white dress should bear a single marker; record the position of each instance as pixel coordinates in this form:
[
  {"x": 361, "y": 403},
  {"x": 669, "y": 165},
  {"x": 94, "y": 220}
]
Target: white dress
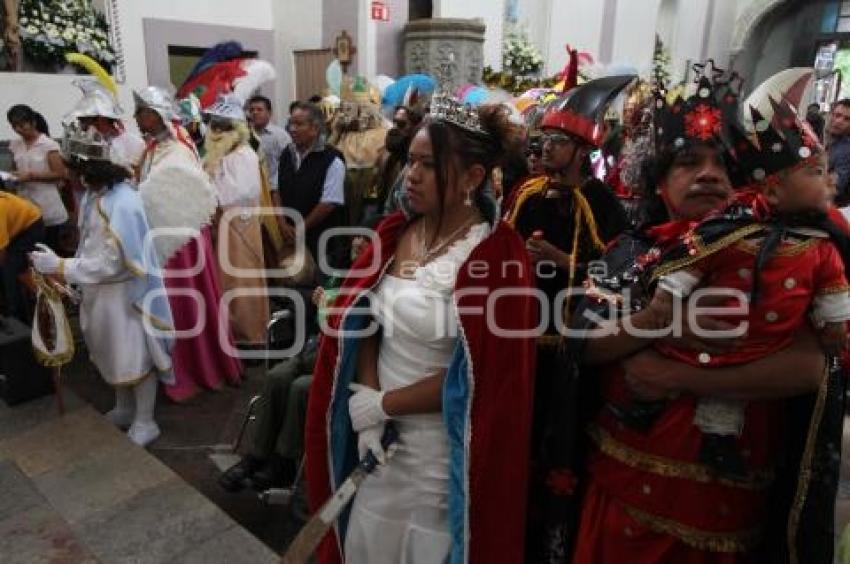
[
  {"x": 115, "y": 335},
  {"x": 400, "y": 513}
]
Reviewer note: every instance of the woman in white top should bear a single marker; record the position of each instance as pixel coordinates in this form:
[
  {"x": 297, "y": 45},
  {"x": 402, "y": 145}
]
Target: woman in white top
[
  {"x": 39, "y": 168},
  {"x": 457, "y": 389}
]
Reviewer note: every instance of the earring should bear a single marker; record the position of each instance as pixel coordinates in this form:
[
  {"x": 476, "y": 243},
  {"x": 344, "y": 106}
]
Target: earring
[{"x": 468, "y": 201}]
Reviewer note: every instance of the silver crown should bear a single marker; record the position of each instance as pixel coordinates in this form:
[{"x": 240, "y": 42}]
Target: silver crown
[
  {"x": 85, "y": 144},
  {"x": 445, "y": 107}
]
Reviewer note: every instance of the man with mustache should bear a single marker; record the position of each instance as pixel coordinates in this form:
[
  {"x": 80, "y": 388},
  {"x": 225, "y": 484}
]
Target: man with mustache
[{"x": 650, "y": 493}]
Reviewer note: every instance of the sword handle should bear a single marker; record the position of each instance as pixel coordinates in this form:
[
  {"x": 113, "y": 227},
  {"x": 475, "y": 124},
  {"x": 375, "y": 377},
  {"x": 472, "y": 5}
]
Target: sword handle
[{"x": 369, "y": 461}]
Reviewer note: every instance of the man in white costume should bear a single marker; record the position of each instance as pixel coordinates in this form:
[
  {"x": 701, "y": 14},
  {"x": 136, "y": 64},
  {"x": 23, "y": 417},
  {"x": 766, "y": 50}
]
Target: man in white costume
[
  {"x": 234, "y": 169},
  {"x": 177, "y": 194},
  {"x": 124, "y": 313}
]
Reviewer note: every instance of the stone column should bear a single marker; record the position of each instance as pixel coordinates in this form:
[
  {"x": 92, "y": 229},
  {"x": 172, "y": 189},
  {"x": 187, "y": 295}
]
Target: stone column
[{"x": 450, "y": 50}]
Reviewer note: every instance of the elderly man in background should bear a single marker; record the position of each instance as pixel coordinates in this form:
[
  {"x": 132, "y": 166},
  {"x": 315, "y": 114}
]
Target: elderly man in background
[{"x": 311, "y": 177}]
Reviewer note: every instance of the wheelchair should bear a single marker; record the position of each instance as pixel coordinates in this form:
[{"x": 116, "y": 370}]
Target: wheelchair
[{"x": 281, "y": 333}]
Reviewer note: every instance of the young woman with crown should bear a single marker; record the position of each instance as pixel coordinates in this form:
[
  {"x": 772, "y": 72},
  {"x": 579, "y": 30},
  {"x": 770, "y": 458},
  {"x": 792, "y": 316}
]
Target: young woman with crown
[{"x": 447, "y": 358}]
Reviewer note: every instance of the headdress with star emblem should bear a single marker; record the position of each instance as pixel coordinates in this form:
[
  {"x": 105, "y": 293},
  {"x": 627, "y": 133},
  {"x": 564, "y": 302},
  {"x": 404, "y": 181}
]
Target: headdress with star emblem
[
  {"x": 706, "y": 116},
  {"x": 779, "y": 140}
]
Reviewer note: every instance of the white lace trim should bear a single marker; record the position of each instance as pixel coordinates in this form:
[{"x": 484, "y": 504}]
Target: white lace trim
[{"x": 440, "y": 274}]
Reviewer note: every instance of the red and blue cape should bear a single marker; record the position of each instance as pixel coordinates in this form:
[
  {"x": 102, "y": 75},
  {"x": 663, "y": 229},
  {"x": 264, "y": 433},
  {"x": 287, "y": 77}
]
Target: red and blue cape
[{"x": 486, "y": 406}]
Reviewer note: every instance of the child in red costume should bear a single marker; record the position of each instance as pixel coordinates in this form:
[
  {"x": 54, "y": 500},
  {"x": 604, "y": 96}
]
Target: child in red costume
[{"x": 775, "y": 244}]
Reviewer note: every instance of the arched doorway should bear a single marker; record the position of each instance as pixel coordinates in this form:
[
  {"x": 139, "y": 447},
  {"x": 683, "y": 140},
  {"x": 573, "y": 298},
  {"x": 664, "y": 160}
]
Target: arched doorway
[{"x": 777, "y": 34}]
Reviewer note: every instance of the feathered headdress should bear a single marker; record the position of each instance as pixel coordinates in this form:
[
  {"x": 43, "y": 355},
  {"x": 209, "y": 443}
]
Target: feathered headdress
[
  {"x": 225, "y": 68},
  {"x": 95, "y": 69}
]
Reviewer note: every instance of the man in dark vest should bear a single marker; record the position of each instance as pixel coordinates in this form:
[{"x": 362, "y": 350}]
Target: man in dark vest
[{"x": 310, "y": 179}]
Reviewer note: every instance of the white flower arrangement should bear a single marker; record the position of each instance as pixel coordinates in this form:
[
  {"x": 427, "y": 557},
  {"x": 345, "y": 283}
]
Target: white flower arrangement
[
  {"x": 519, "y": 56},
  {"x": 51, "y": 28}
]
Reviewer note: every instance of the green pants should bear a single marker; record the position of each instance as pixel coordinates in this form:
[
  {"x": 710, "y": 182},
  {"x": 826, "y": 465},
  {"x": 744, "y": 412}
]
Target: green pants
[{"x": 281, "y": 412}]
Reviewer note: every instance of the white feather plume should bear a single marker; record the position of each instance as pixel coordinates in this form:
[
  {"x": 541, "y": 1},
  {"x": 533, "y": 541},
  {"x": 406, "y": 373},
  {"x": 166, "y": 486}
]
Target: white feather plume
[
  {"x": 177, "y": 197},
  {"x": 258, "y": 72}
]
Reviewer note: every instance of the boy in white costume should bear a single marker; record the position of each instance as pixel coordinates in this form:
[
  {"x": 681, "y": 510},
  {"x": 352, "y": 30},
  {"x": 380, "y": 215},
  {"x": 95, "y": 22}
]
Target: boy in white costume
[{"x": 124, "y": 314}]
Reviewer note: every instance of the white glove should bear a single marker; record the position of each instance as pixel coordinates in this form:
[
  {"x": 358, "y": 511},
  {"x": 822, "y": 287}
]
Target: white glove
[
  {"x": 44, "y": 259},
  {"x": 370, "y": 439},
  {"x": 365, "y": 407}
]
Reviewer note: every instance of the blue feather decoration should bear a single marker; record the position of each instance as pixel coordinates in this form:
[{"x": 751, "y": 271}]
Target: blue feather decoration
[{"x": 224, "y": 51}]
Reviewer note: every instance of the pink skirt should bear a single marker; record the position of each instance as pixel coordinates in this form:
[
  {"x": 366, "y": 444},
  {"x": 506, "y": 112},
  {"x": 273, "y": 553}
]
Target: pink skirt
[{"x": 199, "y": 361}]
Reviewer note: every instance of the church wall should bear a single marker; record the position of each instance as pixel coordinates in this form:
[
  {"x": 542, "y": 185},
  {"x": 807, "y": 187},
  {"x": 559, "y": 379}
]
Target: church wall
[{"x": 297, "y": 26}]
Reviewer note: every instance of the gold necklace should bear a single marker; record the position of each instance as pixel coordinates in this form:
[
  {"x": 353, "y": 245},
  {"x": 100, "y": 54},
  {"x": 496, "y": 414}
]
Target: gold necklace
[{"x": 423, "y": 253}]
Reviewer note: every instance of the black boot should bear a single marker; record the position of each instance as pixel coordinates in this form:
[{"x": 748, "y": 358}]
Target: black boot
[
  {"x": 278, "y": 472},
  {"x": 638, "y": 415},
  {"x": 720, "y": 453},
  {"x": 238, "y": 476}
]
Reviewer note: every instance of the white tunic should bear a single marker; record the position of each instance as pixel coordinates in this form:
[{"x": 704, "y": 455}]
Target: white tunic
[
  {"x": 400, "y": 513},
  {"x": 115, "y": 336},
  {"x": 237, "y": 180}
]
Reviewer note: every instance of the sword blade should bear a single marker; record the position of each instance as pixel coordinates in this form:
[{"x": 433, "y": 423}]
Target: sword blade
[{"x": 311, "y": 535}]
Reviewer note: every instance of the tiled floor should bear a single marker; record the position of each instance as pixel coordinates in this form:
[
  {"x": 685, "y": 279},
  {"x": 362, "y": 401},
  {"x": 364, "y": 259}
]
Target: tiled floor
[
  {"x": 75, "y": 489},
  {"x": 191, "y": 433},
  {"x": 83, "y": 493}
]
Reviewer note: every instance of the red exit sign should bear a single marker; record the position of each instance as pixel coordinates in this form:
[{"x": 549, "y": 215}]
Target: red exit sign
[{"x": 380, "y": 12}]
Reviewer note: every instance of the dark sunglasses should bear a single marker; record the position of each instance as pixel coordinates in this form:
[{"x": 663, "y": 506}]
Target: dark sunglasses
[
  {"x": 556, "y": 138},
  {"x": 218, "y": 124}
]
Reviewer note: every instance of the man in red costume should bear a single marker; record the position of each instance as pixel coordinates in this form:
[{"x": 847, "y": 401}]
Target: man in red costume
[{"x": 649, "y": 496}]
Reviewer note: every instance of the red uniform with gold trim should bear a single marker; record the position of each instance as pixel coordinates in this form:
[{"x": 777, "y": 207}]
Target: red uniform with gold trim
[
  {"x": 805, "y": 274},
  {"x": 651, "y": 484}
]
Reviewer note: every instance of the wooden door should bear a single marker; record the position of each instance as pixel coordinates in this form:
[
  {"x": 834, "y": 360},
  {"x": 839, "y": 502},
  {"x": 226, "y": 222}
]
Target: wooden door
[{"x": 310, "y": 66}]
